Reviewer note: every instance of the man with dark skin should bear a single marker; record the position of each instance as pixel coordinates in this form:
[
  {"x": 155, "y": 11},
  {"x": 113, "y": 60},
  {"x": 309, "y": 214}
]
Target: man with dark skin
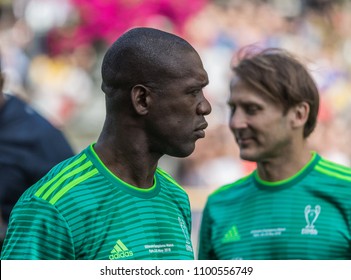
[
  {"x": 152, "y": 111},
  {"x": 112, "y": 201}
]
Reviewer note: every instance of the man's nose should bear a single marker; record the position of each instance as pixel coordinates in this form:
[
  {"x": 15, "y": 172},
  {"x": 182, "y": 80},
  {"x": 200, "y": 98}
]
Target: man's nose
[
  {"x": 204, "y": 107},
  {"x": 238, "y": 120}
]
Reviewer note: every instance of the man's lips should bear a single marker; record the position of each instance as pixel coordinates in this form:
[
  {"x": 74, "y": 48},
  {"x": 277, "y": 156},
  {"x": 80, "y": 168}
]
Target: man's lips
[
  {"x": 200, "y": 130},
  {"x": 244, "y": 141}
]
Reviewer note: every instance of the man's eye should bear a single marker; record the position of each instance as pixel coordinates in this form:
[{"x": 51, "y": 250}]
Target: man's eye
[
  {"x": 252, "y": 110},
  {"x": 232, "y": 109},
  {"x": 195, "y": 91}
]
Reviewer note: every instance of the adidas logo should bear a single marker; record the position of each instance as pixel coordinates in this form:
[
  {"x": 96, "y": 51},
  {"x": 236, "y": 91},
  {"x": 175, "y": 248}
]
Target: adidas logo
[
  {"x": 120, "y": 251},
  {"x": 232, "y": 235}
]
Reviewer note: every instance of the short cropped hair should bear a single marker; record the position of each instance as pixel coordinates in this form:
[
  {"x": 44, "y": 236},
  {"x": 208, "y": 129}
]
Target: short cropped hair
[
  {"x": 279, "y": 76},
  {"x": 141, "y": 56}
]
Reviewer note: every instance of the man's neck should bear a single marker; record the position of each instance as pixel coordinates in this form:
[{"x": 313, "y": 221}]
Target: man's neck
[
  {"x": 130, "y": 162},
  {"x": 283, "y": 167}
]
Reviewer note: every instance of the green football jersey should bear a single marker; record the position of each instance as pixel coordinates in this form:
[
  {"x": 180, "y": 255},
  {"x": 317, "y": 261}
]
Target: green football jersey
[
  {"x": 80, "y": 210},
  {"x": 307, "y": 216}
]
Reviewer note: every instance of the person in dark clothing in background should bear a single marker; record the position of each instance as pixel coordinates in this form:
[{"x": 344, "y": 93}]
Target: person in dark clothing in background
[{"x": 29, "y": 147}]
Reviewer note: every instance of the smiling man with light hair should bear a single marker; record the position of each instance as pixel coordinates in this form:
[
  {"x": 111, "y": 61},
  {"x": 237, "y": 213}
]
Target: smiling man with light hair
[{"x": 296, "y": 204}]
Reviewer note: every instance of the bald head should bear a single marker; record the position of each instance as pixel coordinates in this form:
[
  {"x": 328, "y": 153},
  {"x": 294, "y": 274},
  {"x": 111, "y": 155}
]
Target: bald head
[
  {"x": 142, "y": 56},
  {"x": 153, "y": 83}
]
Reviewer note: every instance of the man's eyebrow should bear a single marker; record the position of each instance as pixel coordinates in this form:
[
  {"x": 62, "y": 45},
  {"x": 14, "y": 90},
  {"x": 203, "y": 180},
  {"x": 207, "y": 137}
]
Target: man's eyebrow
[{"x": 198, "y": 84}]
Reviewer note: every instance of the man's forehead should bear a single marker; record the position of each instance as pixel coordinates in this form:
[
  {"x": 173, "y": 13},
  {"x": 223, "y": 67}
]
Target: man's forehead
[
  {"x": 247, "y": 93},
  {"x": 198, "y": 77},
  {"x": 191, "y": 70},
  {"x": 235, "y": 81}
]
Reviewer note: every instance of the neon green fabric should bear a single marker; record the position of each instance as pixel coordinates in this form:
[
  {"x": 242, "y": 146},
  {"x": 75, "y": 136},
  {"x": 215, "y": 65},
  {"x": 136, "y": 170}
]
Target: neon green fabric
[
  {"x": 307, "y": 216},
  {"x": 80, "y": 210}
]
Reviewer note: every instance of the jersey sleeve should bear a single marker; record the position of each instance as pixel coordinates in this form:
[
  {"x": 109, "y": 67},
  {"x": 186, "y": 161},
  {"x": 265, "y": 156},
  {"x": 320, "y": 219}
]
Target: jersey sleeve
[
  {"x": 37, "y": 231},
  {"x": 205, "y": 240}
]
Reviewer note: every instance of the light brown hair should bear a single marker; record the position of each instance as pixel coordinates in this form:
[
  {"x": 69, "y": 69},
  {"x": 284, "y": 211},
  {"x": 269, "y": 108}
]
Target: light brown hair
[{"x": 279, "y": 76}]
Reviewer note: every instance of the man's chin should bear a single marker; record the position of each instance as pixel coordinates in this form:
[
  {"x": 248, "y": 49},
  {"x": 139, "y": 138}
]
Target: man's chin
[
  {"x": 245, "y": 155},
  {"x": 184, "y": 152}
]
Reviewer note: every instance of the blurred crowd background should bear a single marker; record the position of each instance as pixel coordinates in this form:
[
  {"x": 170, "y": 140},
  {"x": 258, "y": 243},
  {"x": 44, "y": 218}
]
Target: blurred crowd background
[{"x": 52, "y": 49}]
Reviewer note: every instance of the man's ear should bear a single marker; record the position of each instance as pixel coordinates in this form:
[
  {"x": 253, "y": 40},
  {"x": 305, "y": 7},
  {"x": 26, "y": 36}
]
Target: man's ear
[
  {"x": 140, "y": 99},
  {"x": 300, "y": 113}
]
